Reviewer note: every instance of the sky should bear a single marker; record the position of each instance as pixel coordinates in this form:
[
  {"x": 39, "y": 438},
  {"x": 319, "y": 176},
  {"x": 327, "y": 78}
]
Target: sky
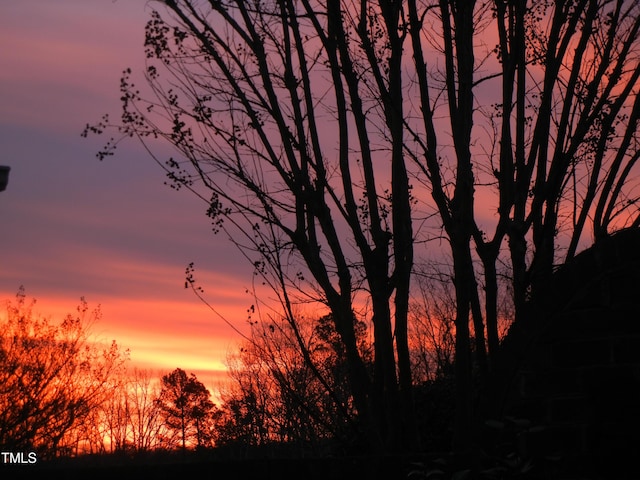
[{"x": 111, "y": 231}]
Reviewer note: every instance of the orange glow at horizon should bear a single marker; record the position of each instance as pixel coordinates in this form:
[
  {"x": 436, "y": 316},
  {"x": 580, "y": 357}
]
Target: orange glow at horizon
[{"x": 160, "y": 334}]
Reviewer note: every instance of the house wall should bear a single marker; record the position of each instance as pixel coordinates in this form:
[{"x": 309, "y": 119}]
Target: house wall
[{"x": 571, "y": 371}]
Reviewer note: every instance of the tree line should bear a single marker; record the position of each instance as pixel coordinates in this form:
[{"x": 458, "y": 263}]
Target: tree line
[{"x": 65, "y": 394}]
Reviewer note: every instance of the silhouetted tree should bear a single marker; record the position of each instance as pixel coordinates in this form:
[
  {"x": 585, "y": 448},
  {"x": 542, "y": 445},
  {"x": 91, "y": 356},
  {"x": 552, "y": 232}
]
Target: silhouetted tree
[
  {"x": 145, "y": 417},
  {"x": 321, "y": 134},
  {"x": 128, "y": 418},
  {"x": 51, "y": 377},
  {"x": 276, "y": 396},
  {"x": 187, "y": 408},
  {"x": 432, "y": 327}
]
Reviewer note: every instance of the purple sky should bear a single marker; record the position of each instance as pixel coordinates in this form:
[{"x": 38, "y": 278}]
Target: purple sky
[{"x": 110, "y": 231}]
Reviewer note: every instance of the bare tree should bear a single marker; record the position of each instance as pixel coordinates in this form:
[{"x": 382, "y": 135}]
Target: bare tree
[
  {"x": 432, "y": 327},
  {"x": 51, "y": 377},
  {"x": 147, "y": 426},
  {"x": 317, "y": 217},
  {"x": 276, "y": 396},
  {"x": 321, "y": 134},
  {"x": 560, "y": 133},
  {"x": 128, "y": 419}
]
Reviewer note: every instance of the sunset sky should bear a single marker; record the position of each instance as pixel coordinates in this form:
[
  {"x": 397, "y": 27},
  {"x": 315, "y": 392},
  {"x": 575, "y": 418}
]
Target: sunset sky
[{"x": 110, "y": 231}]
